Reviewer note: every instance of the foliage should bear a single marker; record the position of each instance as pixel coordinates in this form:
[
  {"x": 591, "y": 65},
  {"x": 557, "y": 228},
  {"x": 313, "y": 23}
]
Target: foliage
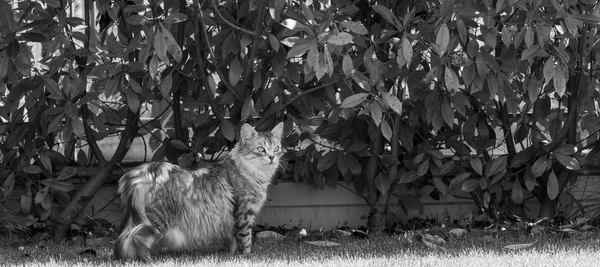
[{"x": 495, "y": 100}]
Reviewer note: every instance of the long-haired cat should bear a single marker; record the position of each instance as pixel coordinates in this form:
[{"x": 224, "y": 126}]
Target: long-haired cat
[{"x": 168, "y": 206}]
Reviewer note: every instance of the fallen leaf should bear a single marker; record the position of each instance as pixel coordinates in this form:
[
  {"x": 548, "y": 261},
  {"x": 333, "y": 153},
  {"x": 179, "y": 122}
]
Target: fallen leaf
[
  {"x": 458, "y": 232},
  {"x": 489, "y": 239},
  {"x": 269, "y": 235},
  {"x": 324, "y": 243},
  {"x": 520, "y": 246}
]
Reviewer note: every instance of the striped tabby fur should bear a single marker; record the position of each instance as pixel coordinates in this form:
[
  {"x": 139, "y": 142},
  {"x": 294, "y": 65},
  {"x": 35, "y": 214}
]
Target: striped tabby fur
[{"x": 169, "y": 206}]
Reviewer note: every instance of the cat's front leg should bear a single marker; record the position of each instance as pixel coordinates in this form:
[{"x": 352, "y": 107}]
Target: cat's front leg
[{"x": 243, "y": 233}]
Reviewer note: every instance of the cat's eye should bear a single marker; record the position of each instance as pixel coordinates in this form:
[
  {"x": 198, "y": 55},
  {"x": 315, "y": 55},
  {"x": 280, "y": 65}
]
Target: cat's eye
[
  {"x": 276, "y": 149},
  {"x": 261, "y": 149}
]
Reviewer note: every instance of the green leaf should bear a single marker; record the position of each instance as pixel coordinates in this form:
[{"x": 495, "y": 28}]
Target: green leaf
[
  {"x": 60, "y": 186},
  {"x": 235, "y": 71},
  {"x": 566, "y": 149},
  {"x": 8, "y": 185},
  {"x": 328, "y": 61},
  {"x": 160, "y": 45},
  {"x": 342, "y": 164},
  {"x": 589, "y": 18},
  {"x": 133, "y": 100},
  {"x": 66, "y": 173},
  {"x": 529, "y": 181},
  {"x": 386, "y": 14},
  {"x": 530, "y": 52},
  {"x": 53, "y": 88},
  {"x": 517, "y": 192},
  {"x": 299, "y": 48},
  {"x": 569, "y": 162},
  {"x": 470, "y": 186},
  {"x": 179, "y": 145},
  {"x": 382, "y": 183},
  {"x": 26, "y": 201},
  {"x": 174, "y": 17},
  {"x": 539, "y": 166},
  {"x": 40, "y": 195},
  {"x": 440, "y": 185},
  {"x": 45, "y": 159},
  {"x": 408, "y": 177},
  {"x": 552, "y": 187},
  {"x": 386, "y": 130},
  {"x": 549, "y": 69},
  {"x": 347, "y": 65},
  {"x": 228, "y": 129},
  {"x": 32, "y": 36},
  {"x": 521, "y": 158},
  {"x": 476, "y": 165},
  {"x": 376, "y": 113},
  {"x": 447, "y": 112},
  {"x": 355, "y": 27},
  {"x": 451, "y": 80},
  {"x": 136, "y": 19},
  {"x": 560, "y": 79},
  {"x": 506, "y": 36},
  {"x": 326, "y": 161},
  {"x": 497, "y": 166},
  {"x": 295, "y": 25},
  {"x": 6, "y": 16},
  {"x": 172, "y": 45},
  {"x": 273, "y": 41},
  {"x": 340, "y": 38},
  {"x": 407, "y": 50},
  {"x": 354, "y": 100},
  {"x": 423, "y": 168},
  {"x": 353, "y": 164},
  {"x": 443, "y": 39},
  {"x": 33, "y": 169},
  {"x": 392, "y": 102},
  {"x": 3, "y": 65},
  {"x": 248, "y": 109}
]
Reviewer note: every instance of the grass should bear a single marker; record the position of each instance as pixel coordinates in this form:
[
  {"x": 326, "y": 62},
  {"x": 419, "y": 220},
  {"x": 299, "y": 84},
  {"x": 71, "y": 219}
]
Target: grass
[{"x": 579, "y": 250}]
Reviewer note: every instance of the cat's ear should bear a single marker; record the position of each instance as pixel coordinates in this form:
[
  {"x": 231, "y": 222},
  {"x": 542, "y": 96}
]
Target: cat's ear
[
  {"x": 247, "y": 132},
  {"x": 278, "y": 130}
]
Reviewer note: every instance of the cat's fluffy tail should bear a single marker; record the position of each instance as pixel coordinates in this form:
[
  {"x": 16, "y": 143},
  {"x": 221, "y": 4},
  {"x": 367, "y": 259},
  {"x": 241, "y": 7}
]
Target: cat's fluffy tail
[
  {"x": 136, "y": 243},
  {"x": 138, "y": 233}
]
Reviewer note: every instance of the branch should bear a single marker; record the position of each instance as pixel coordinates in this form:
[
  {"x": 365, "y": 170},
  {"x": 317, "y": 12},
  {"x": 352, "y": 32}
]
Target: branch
[
  {"x": 257, "y": 24},
  {"x": 177, "y": 94},
  {"x": 91, "y": 139},
  {"x": 264, "y": 117},
  {"x": 201, "y": 68},
  {"x": 216, "y": 9},
  {"x": 224, "y": 79}
]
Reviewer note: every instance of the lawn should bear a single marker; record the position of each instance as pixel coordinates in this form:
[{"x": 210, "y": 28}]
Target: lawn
[{"x": 579, "y": 249}]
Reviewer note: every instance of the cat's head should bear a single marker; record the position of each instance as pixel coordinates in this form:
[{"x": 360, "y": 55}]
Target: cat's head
[{"x": 261, "y": 148}]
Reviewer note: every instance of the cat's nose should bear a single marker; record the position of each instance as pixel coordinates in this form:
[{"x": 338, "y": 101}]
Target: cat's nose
[{"x": 271, "y": 158}]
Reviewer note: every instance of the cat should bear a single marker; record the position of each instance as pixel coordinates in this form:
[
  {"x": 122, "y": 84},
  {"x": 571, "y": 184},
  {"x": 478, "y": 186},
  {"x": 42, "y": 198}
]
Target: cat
[{"x": 166, "y": 205}]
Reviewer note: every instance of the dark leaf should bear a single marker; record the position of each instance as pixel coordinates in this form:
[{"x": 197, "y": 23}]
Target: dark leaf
[
  {"x": 354, "y": 100},
  {"x": 552, "y": 187},
  {"x": 567, "y": 161},
  {"x": 440, "y": 185},
  {"x": 517, "y": 192},
  {"x": 382, "y": 183},
  {"x": 60, "y": 186},
  {"x": 470, "y": 186},
  {"x": 408, "y": 177},
  {"x": 539, "y": 167},
  {"x": 326, "y": 161},
  {"x": 353, "y": 164},
  {"x": 228, "y": 129},
  {"x": 476, "y": 165}
]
